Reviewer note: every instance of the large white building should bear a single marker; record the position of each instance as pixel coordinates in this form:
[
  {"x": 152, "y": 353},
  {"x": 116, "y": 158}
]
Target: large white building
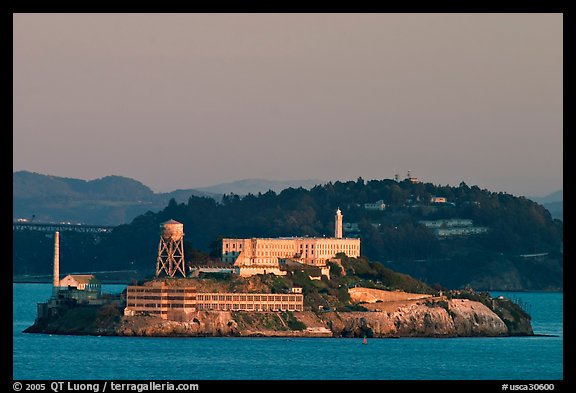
[{"x": 263, "y": 255}]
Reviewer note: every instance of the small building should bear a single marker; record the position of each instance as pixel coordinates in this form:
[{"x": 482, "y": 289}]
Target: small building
[
  {"x": 447, "y": 223},
  {"x": 454, "y": 227},
  {"x": 460, "y": 231},
  {"x": 351, "y": 227},
  {"x": 436, "y": 199},
  {"x": 296, "y": 290},
  {"x": 82, "y": 282},
  {"x": 378, "y": 205}
]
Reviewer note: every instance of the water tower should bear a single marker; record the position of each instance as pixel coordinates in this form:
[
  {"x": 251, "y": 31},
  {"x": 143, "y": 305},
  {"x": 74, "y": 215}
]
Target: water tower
[{"x": 171, "y": 249}]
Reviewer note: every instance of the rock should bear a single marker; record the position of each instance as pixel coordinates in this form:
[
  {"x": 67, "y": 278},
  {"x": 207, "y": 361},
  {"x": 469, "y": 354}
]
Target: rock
[{"x": 436, "y": 317}]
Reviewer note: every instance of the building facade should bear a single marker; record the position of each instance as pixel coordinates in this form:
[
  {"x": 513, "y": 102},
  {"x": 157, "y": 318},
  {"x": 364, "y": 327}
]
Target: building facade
[
  {"x": 160, "y": 300},
  {"x": 266, "y": 252},
  {"x": 177, "y": 303},
  {"x": 264, "y": 255},
  {"x": 82, "y": 282}
]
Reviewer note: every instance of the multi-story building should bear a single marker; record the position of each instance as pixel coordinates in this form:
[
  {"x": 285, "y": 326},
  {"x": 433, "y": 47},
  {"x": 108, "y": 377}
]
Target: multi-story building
[
  {"x": 179, "y": 302},
  {"x": 263, "y": 255}
]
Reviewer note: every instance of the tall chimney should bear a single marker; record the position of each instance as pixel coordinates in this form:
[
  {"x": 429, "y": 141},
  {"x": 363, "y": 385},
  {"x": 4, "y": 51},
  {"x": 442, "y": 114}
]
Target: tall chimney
[{"x": 56, "y": 283}]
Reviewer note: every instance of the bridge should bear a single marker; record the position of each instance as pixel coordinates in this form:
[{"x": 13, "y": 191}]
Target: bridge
[{"x": 61, "y": 227}]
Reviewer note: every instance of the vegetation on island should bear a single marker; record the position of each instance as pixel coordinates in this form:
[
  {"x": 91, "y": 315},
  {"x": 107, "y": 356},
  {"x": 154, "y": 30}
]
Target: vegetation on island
[{"x": 521, "y": 250}]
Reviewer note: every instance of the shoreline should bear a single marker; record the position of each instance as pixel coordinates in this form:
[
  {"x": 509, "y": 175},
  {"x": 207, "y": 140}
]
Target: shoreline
[{"x": 19, "y": 280}]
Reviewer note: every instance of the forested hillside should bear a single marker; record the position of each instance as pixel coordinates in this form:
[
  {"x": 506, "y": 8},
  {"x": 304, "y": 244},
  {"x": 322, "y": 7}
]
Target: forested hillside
[{"x": 518, "y": 244}]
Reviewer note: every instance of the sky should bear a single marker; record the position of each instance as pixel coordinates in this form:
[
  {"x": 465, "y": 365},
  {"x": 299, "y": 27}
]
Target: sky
[{"x": 190, "y": 100}]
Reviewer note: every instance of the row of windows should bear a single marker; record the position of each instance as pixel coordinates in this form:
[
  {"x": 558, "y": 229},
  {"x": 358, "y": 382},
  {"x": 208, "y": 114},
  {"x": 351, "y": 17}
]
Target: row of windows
[
  {"x": 332, "y": 246},
  {"x": 155, "y": 290},
  {"x": 160, "y": 290},
  {"x": 160, "y": 298},
  {"x": 250, "y": 298},
  {"x": 156, "y": 305},
  {"x": 276, "y": 246},
  {"x": 249, "y": 307},
  {"x": 227, "y": 245},
  {"x": 163, "y": 291}
]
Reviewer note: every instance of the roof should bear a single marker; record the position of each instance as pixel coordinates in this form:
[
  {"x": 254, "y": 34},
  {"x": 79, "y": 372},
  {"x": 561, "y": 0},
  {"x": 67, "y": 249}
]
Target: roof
[
  {"x": 171, "y": 222},
  {"x": 83, "y": 278}
]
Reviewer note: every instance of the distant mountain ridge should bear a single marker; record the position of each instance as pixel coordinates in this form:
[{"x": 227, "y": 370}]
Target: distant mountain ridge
[
  {"x": 115, "y": 200},
  {"x": 254, "y": 186},
  {"x": 28, "y": 185},
  {"x": 556, "y": 196},
  {"x": 553, "y": 202},
  {"x": 110, "y": 200}
]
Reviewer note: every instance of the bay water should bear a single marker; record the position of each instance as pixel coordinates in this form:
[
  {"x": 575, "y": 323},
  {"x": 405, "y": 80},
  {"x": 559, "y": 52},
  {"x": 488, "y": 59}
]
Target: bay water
[{"x": 57, "y": 357}]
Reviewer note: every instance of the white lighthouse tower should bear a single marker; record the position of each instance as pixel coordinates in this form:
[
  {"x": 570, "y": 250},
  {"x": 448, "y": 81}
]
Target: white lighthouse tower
[{"x": 338, "y": 224}]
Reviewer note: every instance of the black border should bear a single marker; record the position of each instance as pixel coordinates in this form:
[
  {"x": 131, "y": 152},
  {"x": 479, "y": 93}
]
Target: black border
[{"x": 487, "y": 6}]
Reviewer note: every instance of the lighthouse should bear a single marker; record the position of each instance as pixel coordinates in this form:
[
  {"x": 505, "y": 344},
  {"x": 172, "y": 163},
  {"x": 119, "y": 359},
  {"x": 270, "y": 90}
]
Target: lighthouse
[{"x": 338, "y": 224}]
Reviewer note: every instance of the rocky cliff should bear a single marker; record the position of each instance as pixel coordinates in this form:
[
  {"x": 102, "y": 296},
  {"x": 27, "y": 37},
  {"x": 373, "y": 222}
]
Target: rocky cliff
[{"x": 437, "y": 317}]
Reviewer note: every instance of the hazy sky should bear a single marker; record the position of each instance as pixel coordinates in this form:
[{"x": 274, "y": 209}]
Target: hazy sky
[{"x": 190, "y": 100}]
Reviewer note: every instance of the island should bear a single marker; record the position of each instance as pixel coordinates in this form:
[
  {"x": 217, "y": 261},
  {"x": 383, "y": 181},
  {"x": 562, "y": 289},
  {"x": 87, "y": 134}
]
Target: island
[{"x": 282, "y": 287}]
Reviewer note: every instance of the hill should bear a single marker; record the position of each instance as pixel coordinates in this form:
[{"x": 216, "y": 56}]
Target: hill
[
  {"x": 556, "y": 209},
  {"x": 111, "y": 200},
  {"x": 556, "y": 196},
  {"x": 553, "y": 202},
  {"x": 472, "y": 238},
  {"x": 254, "y": 186}
]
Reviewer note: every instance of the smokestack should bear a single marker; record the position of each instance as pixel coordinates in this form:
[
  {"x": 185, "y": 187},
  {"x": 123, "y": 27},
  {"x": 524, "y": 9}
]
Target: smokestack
[{"x": 56, "y": 283}]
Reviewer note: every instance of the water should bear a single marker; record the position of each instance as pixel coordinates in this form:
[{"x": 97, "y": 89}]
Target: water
[{"x": 40, "y": 356}]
